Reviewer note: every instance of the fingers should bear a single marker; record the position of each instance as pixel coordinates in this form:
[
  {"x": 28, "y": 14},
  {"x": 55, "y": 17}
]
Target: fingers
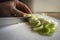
[
  {"x": 20, "y": 10},
  {"x": 23, "y": 7},
  {"x": 17, "y": 12}
]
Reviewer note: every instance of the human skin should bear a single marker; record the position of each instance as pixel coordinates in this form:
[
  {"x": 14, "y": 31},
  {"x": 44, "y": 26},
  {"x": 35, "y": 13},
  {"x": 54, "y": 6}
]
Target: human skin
[{"x": 13, "y": 8}]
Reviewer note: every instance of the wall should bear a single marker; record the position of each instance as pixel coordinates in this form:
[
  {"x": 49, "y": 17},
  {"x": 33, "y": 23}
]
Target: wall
[{"x": 45, "y": 5}]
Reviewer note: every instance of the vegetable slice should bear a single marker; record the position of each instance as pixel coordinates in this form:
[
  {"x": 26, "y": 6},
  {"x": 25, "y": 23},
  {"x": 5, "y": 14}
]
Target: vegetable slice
[{"x": 42, "y": 26}]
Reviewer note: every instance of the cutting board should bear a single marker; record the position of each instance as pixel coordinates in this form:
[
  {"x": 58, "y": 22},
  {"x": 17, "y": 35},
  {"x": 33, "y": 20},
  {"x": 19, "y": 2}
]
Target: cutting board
[{"x": 22, "y": 31}]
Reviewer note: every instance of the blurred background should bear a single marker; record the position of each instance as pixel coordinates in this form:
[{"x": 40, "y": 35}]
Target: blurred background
[
  {"x": 43, "y": 5},
  {"x": 50, "y": 7}
]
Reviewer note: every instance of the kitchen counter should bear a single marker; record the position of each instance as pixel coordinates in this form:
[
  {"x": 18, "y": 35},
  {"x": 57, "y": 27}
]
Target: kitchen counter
[{"x": 54, "y": 14}]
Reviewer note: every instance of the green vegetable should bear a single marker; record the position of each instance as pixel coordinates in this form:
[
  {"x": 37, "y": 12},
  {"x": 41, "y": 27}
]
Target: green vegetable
[
  {"x": 51, "y": 25},
  {"x": 34, "y": 21},
  {"x": 28, "y": 15},
  {"x": 37, "y": 28},
  {"x": 52, "y": 31},
  {"x": 42, "y": 26},
  {"x": 44, "y": 30},
  {"x": 43, "y": 21}
]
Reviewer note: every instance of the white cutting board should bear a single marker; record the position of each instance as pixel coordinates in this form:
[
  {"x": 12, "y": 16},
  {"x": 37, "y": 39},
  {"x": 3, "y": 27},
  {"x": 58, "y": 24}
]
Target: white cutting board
[{"x": 22, "y": 31}]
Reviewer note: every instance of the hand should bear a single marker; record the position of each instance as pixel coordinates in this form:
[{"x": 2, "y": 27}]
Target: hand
[{"x": 13, "y": 8}]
